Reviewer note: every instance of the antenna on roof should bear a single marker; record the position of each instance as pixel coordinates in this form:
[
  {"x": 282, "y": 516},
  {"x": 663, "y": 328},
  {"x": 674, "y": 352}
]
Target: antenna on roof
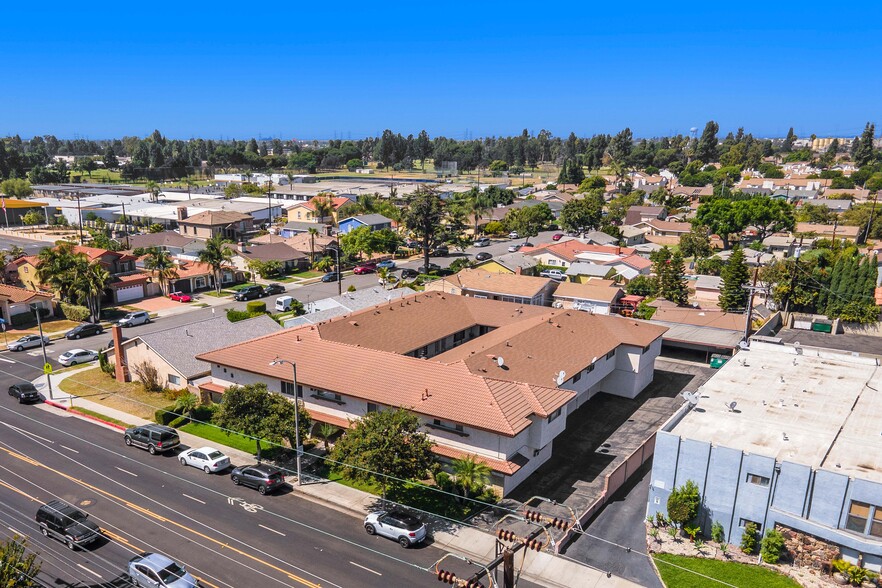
[
  {"x": 500, "y": 361},
  {"x": 691, "y": 397},
  {"x": 560, "y": 378},
  {"x": 731, "y": 406}
]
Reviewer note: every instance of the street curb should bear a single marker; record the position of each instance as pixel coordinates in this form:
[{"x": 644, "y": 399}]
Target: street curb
[{"x": 84, "y": 415}]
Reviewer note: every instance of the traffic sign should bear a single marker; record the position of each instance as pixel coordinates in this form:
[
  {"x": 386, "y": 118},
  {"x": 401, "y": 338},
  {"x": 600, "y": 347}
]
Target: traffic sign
[{"x": 47, "y": 368}]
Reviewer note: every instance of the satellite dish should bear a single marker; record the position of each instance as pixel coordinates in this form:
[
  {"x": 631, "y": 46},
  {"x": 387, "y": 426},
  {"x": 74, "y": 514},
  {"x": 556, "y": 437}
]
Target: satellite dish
[
  {"x": 731, "y": 406},
  {"x": 744, "y": 345},
  {"x": 499, "y": 361},
  {"x": 561, "y": 377},
  {"x": 691, "y": 397}
]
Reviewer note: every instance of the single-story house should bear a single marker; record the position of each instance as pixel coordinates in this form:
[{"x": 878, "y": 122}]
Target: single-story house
[
  {"x": 195, "y": 275},
  {"x": 588, "y": 296},
  {"x": 705, "y": 331},
  {"x": 707, "y": 288},
  {"x": 511, "y": 263},
  {"x": 479, "y": 283},
  {"x": 583, "y": 271},
  {"x": 849, "y": 233},
  {"x": 290, "y": 258},
  {"x": 376, "y": 222},
  {"x": 663, "y": 228},
  {"x": 15, "y": 302},
  {"x": 636, "y": 214},
  {"x": 632, "y": 235},
  {"x": 170, "y": 241},
  {"x": 599, "y": 238}
]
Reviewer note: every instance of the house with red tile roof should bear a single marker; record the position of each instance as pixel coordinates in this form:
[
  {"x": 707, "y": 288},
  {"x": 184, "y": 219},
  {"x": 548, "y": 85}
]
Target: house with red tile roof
[
  {"x": 563, "y": 253},
  {"x": 305, "y": 211},
  {"x": 16, "y": 301},
  {"x": 486, "y": 378}
]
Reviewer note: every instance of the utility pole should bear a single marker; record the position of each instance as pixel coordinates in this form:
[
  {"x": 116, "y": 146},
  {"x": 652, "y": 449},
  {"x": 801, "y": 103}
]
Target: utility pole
[
  {"x": 36, "y": 310},
  {"x": 80, "y": 215},
  {"x": 793, "y": 278},
  {"x": 508, "y": 569},
  {"x": 753, "y": 288},
  {"x": 125, "y": 224}
]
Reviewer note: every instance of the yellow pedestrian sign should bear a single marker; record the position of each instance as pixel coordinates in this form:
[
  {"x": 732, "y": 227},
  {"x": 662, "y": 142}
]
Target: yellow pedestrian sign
[{"x": 47, "y": 368}]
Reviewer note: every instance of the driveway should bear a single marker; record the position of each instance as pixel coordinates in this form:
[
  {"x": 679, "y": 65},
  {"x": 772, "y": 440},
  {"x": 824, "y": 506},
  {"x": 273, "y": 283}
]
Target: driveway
[{"x": 155, "y": 304}]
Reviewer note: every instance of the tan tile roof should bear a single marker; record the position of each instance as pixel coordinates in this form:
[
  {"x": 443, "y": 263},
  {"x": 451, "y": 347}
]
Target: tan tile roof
[
  {"x": 635, "y": 261},
  {"x": 827, "y": 230},
  {"x": 588, "y": 291},
  {"x": 568, "y": 250},
  {"x": 213, "y": 218},
  {"x": 479, "y": 280},
  {"x": 669, "y": 226},
  {"x": 16, "y": 294}
]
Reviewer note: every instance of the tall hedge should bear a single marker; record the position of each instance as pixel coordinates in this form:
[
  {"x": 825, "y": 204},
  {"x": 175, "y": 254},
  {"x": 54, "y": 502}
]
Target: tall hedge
[{"x": 74, "y": 312}]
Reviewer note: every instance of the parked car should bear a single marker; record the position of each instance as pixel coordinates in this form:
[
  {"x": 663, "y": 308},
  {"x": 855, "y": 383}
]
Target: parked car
[
  {"x": 250, "y": 293},
  {"x": 433, "y": 267},
  {"x": 67, "y": 523},
  {"x": 133, "y": 319},
  {"x": 27, "y": 342},
  {"x": 387, "y": 264},
  {"x": 331, "y": 277},
  {"x": 396, "y": 525},
  {"x": 440, "y": 251},
  {"x": 513, "y": 235},
  {"x": 557, "y": 236},
  {"x": 180, "y": 297},
  {"x": 77, "y": 356},
  {"x": 483, "y": 256},
  {"x": 207, "y": 459},
  {"x": 284, "y": 303},
  {"x": 153, "y": 438},
  {"x": 265, "y": 478},
  {"x": 412, "y": 243},
  {"x": 481, "y": 242},
  {"x": 409, "y": 273},
  {"x": 25, "y": 392},
  {"x": 527, "y": 244},
  {"x": 554, "y": 275},
  {"x": 515, "y": 247},
  {"x": 272, "y": 289},
  {"x": 155, "y": 569},
  {"x": 84, "y": 330},
  {"x": 365, "y": 268}
]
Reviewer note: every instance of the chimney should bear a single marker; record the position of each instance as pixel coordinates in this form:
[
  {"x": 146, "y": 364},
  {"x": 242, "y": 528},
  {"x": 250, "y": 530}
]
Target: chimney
[
  {"x": 518, "y": 271},
  {"x": 241, "y": 247},
  {"x": 182, "y": 213},
  {"x": 121, "y": 371}
]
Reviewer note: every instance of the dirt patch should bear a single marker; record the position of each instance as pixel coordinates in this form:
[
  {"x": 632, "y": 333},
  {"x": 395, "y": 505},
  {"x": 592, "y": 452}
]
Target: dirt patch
[
  {"x": 129, "y": 397},
  {"x": 156, "y": 303}
]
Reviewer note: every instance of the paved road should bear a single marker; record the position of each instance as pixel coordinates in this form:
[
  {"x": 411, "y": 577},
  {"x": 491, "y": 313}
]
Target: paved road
[
  {"x": 30, "y": 246},
  {"x": 227, "y": 535}
]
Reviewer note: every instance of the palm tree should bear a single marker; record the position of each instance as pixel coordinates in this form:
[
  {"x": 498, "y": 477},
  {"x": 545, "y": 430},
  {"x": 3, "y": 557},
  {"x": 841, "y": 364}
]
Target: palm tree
[
  {"x": 478, "y": 204},
  {"x": 161, "y": 265},
  {"x": 326, "y": 431},
  {"x": 91, "y": 281},
  {"x": 383, "y": 274},
  {"x": 471, "y": 474},
  {"x": 15, "y": 252},
  {"x": 323, "y": 207},
  {"x": 57, "y": 267},
  {"x": 185, "y": 404},
  {"x": 216, "y": 253},
  {"x": 312, "y": 233},
  {"x": 324, "y": 264},
  {"x": 367, "y": 203},
  {"x": 154, "y": 190}
]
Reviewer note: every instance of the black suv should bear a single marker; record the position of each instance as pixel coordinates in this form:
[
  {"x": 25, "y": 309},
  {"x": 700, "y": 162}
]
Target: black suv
[
  {"x": 25, "y": 392},
  {"x": 274, "y": 289},
  {"x": 153, "y": 438},
  {"x": 249, "y": 293},
  {"x": 66, "y": 523},
  {"x": 264, "y": 477},
  {"x": 409, "y": 273},
  {"x": 84, "y": 330}
]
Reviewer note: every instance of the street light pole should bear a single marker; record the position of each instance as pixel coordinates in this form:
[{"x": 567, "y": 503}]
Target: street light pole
[
  {"x": 298, "y": 448},
  {"x": 36, "y": 309},
  {"x": 336, "y": 251}
]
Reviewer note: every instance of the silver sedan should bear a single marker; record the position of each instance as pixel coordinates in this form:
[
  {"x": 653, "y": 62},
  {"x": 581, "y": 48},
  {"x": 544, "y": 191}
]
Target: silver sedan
[{"x": 207, "y": 459}]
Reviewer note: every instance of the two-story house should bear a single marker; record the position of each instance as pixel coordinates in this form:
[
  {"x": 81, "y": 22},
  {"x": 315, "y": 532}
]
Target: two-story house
[
  {"x": 210, "y": 223},
  {"x": 508, "y": 287}
]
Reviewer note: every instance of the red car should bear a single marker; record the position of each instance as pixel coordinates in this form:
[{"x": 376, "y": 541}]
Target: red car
[
  {"x": 180, "y": 297},
  {"x": 365, "y": 268},
  {"x": 556, "y": 236}
]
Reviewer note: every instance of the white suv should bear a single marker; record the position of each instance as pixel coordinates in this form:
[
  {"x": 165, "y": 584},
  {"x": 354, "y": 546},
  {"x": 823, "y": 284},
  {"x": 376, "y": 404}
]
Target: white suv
[
  {"x": 141, "y": 317},
  {"x": 397, "y": 525},
  {"x": 554, "y": 275}
]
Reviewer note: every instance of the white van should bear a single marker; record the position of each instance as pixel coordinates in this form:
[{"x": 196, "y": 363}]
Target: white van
[{"x": 284, "y": 303}]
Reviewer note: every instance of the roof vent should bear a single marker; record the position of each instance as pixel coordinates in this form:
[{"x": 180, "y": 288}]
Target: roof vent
[
  {"x": 508, "y": 343},
  {"x": 353, "y": 323}
]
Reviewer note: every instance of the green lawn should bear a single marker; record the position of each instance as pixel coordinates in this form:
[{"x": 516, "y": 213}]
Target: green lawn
[
  {"x": 212, "y": 433},
  {"x": 98, "y": 415},
  {"x": 737, "y": 574}
]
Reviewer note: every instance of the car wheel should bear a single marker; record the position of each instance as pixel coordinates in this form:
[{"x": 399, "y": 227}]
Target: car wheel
[
  {"x": 45, "y": 531},
  {"x": 128, "y": 440},
  {"x": 70, "y": 545},
  {"x": 76, "y": 336},
  {"x": 261, "y": 489},
  {"x": 21, "y": 399},
  {"x": 72, "y": 364},
  {"x": 152, "y": 450},
  {"x": 135, "y": 582},
  {"x": 370, "y": 529},
  {"x": 206, "y": 469},
  {"x": 19, "y": 348},
  {"x": 100, "y": 332},
  {"x": 402, "y": 541},
  {"x": 183, "y": 461},
  {"x": 236, "y": 480}
]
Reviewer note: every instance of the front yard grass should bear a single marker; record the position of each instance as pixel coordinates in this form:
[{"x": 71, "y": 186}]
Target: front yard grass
[
  {"x": 220, "y": 437},
  {"x": 103, "y": 389},
  {"x": 103, "y": 417},
  {"x": 734, "y": 573}
]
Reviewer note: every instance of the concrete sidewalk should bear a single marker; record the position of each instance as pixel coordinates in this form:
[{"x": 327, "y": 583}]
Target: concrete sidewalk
[{"x": 540, "y": 568}]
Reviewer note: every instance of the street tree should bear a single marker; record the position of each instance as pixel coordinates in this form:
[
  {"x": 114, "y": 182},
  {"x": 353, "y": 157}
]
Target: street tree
[
  {"x": 721, "y": 217},
  {"x": 18, "y": 569},
  {"x": 217, "y": 254},
  {"x": 733, "y": 295},
  {"x": 254, "y": 411},
  {"x": 582, "y": 214},
  {"x": 766, "y": 214},
  {"x": 422, "y": 217},
  {"x": 529, "y": 220},
  {"x": 161, "y": 266},
  {"x": 386, "y": 447}
]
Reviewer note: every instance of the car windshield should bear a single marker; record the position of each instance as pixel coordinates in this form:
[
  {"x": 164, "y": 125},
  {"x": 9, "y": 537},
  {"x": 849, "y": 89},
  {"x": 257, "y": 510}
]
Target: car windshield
[
  {"x": 408, "y": 522},
  {"x": 76, "y": 515},
  {"x": 215, "y": 455},
  {"x": 171, "y": 573}
]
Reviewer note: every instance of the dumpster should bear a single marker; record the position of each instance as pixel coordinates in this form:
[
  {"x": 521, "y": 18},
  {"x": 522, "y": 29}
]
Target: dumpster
[
  {"x": 717, "y": 361},
  {"x": 822, "y": 327}
]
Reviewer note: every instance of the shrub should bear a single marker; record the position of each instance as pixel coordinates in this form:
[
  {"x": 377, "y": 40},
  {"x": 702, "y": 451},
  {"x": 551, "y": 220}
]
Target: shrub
[
  {"x": 772, "y": 546},
  {"x": 488, "y": 495},
  {"x": 174, "y": 393},
  {"x": 857, "y": 575},
  {"x": 179, "y": 422},
  {"x": 351, "y": 288},
  {"x": 74, "y": 312},
  {"x": 164, "y": 416},
  {"x": 661, "y": 520},
  {"x": 235, "y": 316},
  {"x": 255, "y": 306},
  {"x": 718, "y": 533},
  {"x": 748, "y": 538},
  {"x": 443, "y": 481},
  {"x": 149, "y": 376},
  {"x": 494, "y": 228},
  {"x": 204, "y": 412},
  {"x": 105, "y": 365},
  {"x": 683, "y": 503},
  {"x": 840, "y": 565}
]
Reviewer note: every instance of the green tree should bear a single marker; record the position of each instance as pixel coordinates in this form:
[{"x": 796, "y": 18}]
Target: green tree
[
  {"x": 706, "y": 149},
  {"x": 815, "y": 213},
  {"x": 154, "y": 190},
  {"x": 255, "y": 411},
  {"x": 358, "y": 241},
  {"x": 721, "y": 217},
  {"x": 733, "y": 295},
  {"x": 161, "y": 266},
  {"x": 863, "y": 151},
  {"x": 529, "y": 220},
  {"x": 57, "y": 267},
  {"x": 683, "y": 503},
  {"x": 582, "y": 214},
  {"x": 422, "y": 217},
  {"x": 642, "y": 286},
  {"x": 354, "y": 164},
  {"x": 89, "y": 285},
  {"x": 571, "y": 173},
  {"x": 15, "y": 187},
  {"x": 787, "y": 145},
  {"x": 592, "y": 182},
  {"x": 670, "y": 275},
  {"x": 217, "y": 254},
  {"x": 471, "y": 475},
  {"x": 18, "y": 569},
  {"x": 326, "y": 431},
  {"x": 185, "y": 404},
  {"x": 386, "y": 447},
  {"x": 767, "y": 215},
  {"x": 749, "y": 538},
  {"x": 696, "y": 243},
  {"x": 772, "y": 546}
]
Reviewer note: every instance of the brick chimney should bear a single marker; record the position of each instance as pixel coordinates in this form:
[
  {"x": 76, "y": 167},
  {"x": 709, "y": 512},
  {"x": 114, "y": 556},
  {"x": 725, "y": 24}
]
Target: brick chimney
[
  {"x": 121, "y": 368},
  {"x": 518, "y": 270},
  {"x": 182, "y": 213},
  {"x": 241, "y": 246}
]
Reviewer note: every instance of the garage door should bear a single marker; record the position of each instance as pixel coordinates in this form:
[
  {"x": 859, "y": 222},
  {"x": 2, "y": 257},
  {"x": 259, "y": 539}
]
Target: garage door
[{"x": 129, "y": 293}]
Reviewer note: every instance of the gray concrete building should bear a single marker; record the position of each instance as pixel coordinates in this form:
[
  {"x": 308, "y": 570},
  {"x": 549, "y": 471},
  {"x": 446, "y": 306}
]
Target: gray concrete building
[{"x": 783, "y": 435}]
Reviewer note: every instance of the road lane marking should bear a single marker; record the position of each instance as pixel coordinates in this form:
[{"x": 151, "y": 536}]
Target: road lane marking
[
  {"x": 6, "y": 360},
  {"x": 271, "y": 530},
  {"x": 69, "y": 449},
  {"x": 366, "y": 569},
  {"x": 93, "y": 572},
  {"x": 126, "y": 471},
  {"x": 192, "y": 498},
  {"x": 17, "y": 491},
  {"x": 206, "y": 582},
  {"x": 28, "y": 433}
]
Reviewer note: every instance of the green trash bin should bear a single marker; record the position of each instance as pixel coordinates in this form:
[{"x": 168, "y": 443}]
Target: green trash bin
[
  {"x": 822, "y": 327},
  {"x": 717, "y": 361}
]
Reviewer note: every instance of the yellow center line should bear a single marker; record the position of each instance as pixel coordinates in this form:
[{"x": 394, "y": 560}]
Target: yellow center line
[
  {"x": 149, "y": 513},
  {"x": 16, "y": 490}
]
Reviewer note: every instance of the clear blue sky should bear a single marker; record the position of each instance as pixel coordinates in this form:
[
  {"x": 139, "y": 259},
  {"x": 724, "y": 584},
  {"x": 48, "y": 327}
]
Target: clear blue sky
[{"x": 323, "y": 69}]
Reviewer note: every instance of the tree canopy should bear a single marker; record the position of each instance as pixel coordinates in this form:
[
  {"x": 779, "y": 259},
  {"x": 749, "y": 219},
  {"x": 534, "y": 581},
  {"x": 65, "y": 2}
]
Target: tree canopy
[{"x": 582, "y": 214}]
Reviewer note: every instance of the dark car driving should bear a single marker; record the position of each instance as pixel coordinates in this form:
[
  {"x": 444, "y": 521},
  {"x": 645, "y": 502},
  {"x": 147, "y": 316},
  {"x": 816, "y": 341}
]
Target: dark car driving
[
  {"x": 264, "y": 477},
  {"x": 330, "y": 277},
  {"x": 274, "y": 289},
  {"x": 84, "y": 330},
  {"x": 67, "y": 523},
  {"x": 25, "y": 392}
]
